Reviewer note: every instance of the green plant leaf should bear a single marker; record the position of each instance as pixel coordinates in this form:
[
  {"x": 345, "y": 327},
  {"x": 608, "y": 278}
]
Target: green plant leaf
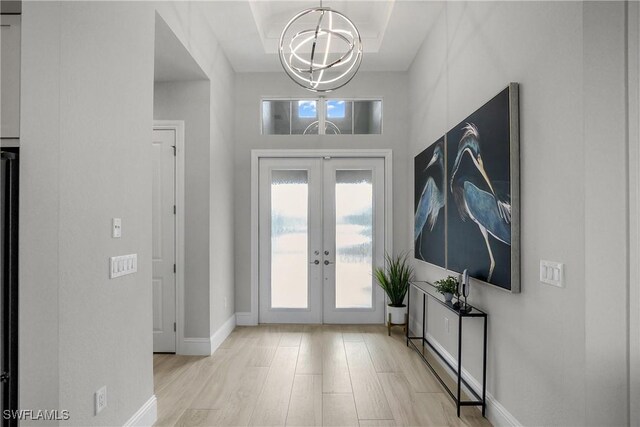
[{"x": 394, "y": 278}]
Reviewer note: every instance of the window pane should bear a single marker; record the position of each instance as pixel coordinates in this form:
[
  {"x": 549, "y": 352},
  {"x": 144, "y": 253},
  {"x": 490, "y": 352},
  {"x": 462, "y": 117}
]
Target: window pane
[
  {"x": 367, "y": 117},
  {"x": 335, "y": 109},
  {"x": 339, "y": 117},
  {"x": 307, "y": 109},
  {"x": 289, "y": 237},
  {"x": 276, "y": 116},
  {"x": 302, "y": 116},
  {"x": 305, "y": 117},
  {"x": 354, "y": 239}
]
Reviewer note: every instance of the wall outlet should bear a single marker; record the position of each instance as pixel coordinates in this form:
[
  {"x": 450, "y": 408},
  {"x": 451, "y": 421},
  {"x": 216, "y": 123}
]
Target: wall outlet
[
  {"x": 446, "y": 324},
  {"x": 225, "y": 302},
  {"x": 101, "y": 399}
]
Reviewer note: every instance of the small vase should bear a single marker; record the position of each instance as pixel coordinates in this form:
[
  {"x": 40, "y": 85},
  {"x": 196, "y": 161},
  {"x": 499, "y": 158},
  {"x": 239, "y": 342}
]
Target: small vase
[
  {"x": 448, "y": 296},
  {"x": 397, "y": 314}
]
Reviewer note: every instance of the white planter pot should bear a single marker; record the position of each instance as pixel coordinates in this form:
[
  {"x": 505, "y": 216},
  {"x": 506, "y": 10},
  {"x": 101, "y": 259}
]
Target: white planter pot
[{"x": 397, "y": 314}]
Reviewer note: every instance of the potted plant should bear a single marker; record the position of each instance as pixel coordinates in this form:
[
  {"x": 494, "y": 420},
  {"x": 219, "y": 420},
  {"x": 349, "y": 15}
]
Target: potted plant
[
  {"x": 394, "y": 279},
  {"x": 447, "y": 287}
]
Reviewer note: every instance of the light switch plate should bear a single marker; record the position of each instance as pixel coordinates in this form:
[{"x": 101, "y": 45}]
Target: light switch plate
[
  {"x": 100, "y": 399},
  {"x": 116, "y": 231},
  {"x": 552, "y": 273},
  {"x": 122, "y": 265}
]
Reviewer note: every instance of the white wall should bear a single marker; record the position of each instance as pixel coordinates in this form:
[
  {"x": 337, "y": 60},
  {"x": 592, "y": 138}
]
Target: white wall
[
  {"x": 606, "y": 196},
  {"x": 87, "y": 115},
  {"x": 252, "y": 87},
  {"x": 189, "y": 101},
  {"x": 556, "y": 356},
  {"x": 222, "y": 216},
  {"x": 103, "y": 109},
  {"x": 634, "y": 209},
  {"x": 190, "y": 23},
  {"x": 39, "y": 210}
]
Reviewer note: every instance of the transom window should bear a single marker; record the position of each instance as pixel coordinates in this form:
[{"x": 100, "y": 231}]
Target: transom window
[{"x": 321, "y": 116}]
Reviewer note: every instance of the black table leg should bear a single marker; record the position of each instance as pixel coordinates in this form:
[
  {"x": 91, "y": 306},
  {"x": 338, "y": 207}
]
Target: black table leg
[
  {"x": 484, "y": 370},
  {"x": 424, "y": 310},
  {"x": 408, "y": 311},
  {"x": 459, "y": 363}
]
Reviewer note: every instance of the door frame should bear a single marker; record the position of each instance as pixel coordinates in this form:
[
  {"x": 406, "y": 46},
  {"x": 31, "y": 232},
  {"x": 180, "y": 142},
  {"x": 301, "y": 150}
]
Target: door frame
[
  {"x": 256, "y": 155},
  {"x": 178, "y": 127}
]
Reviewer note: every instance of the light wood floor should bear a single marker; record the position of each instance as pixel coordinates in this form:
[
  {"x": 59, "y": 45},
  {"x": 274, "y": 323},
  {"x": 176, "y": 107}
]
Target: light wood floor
[{"x": 298, "y": 375}]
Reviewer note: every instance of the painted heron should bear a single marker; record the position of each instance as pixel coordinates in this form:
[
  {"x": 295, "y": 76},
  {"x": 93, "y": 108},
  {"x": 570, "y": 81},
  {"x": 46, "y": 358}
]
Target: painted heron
[
  {"x": 475, "y": 195},
  {"x": 431, "y": 199}
]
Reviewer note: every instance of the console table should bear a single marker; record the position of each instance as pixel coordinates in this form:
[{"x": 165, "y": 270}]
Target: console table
[{"x": 428, "y": 291}]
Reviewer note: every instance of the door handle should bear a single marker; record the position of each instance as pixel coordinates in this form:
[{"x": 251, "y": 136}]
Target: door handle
[
  {"x": 327, "y": 262},
  {"x": 316, "y": 262}
]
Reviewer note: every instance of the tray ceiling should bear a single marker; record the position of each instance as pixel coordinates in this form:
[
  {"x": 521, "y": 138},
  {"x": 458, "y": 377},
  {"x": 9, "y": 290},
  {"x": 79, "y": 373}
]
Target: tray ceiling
[{"x": 392, "y": 30}]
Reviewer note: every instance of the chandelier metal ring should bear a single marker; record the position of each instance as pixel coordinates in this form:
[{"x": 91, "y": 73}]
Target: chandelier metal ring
[
  {"x": 322, "y": 58},
  {"x": 319, "y": 66}
]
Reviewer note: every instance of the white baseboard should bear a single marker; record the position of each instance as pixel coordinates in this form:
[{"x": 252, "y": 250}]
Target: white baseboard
[
  {"x": 222, "y": 333},
  {"x": 196, "y": 347},
  {"x": 245, "y": 319},
  {"x": 146, "y": 415},
  {"x": 206, "y": 346},
  {"x": 495, "y": 413}
]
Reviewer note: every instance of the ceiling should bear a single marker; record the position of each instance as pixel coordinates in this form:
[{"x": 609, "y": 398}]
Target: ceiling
[{"x": 249, "y": 30}]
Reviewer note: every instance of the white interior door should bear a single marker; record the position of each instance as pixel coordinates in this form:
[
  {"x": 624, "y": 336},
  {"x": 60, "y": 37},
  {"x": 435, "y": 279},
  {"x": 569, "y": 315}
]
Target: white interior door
[
  {"x": 164, "y": 231},
  {"x": 311, "y": 209}
]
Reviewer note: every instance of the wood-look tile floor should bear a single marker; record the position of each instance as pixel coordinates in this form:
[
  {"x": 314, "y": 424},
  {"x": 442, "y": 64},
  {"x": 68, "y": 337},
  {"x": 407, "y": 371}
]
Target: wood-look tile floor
[{"x": 305, "y": 375}]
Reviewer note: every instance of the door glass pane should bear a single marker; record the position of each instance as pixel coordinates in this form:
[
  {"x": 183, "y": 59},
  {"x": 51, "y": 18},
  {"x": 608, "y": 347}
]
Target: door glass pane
[
  {"x": 289, "y": 238},
  {"x": 354, "y": 239}
]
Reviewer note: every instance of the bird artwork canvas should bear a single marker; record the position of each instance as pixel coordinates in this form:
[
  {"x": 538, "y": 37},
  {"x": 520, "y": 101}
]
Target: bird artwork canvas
[
  {"x": 467, "y": 195},
  {"x": 430, "y": 188},
  {"x": 482, "y": 180}
]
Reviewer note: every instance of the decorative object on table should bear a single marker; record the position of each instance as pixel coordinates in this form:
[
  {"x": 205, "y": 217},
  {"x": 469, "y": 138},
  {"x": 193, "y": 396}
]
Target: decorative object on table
[
  {"x": 482, "y": 203},
  {"x": 456, "y": 305},
  {"x": 464, "y": 291},
  {"x": 447, "y": 287},
  {"x": 394, "y": 279},
  {"x": 430, "y": 188},
  {"x": 320, "y": 49}
]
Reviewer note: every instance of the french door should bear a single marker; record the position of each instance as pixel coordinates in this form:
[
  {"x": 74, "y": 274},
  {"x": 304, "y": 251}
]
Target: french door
[{"x": 321, "y": 233}]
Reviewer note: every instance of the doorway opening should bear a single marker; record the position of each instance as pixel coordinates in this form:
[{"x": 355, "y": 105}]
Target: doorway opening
[
  {"x": 179, "y": 151},
  {"x": 320, "y": 228}
]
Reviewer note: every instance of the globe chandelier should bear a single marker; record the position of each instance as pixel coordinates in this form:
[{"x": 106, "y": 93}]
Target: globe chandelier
[{"x": 320, "y": 49}]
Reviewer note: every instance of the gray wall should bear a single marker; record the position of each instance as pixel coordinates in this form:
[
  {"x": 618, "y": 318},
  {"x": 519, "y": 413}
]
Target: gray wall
[
  {"x": 556, "y": 356},
  {"x": 87, "y": 115},
  {"x": 634, "y": 208},
  {"x": 39, "y": 208},
  {"x": 606, "y": 192},
  {"x": 252, "y": 87},
  {"x": 189, "y": 101}
]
